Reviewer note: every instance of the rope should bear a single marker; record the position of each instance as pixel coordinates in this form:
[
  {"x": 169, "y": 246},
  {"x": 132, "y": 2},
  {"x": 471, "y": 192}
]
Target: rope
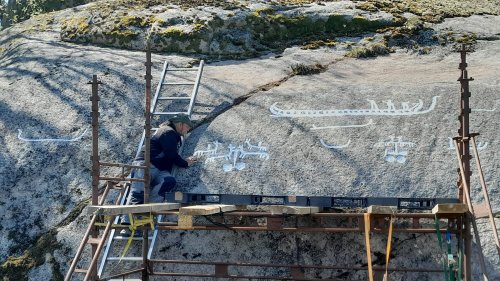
[{"x": 134, "y": 224}]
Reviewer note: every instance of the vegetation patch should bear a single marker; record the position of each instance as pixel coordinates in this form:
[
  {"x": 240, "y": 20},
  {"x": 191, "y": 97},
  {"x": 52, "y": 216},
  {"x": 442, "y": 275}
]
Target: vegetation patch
[
  {"x": 276, "y": 30},
  {"x": 371, "y": 50},
  {"x": 17, "y": 268},
  {"x": 303, "y": 69},
  {"x": 74, "y": 27},
  {"x": 316, "y": 44},
  {"x": 433, "y": 10}
]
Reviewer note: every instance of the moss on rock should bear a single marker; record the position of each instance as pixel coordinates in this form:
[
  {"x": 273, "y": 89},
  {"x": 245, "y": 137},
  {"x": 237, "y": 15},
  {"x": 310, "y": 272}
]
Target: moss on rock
[
  {"x": 16, "y": 268},
  {"x": 371, "y": 50}
]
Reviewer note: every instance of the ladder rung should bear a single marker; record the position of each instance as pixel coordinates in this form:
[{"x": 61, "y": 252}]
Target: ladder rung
[
  {"x": 179, "y": 83},
  {"x": 124, "y": 258},
  {"x": 174, "y": 98},
  {"x": 94, "y": 240},
  {"x": 81, "y": 270},
  {"x": 167, "y": 113},
  {"x": 183, "y": 69},
  {"x": 128, "y": 237}
]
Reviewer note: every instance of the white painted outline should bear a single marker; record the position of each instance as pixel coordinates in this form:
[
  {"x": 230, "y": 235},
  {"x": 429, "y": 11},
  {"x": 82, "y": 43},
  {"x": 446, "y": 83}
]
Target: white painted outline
[
  {"x": 50, "y": 140},
  {"x": 396, "y": 154},
  {"x": 391, "y": 110},
  {"x": 209, "y": 151},
  {"x": 233, "y": 154},
  {"x": 370, "y": 122},
  {"x": 483, "y": 110},
  {"x": 334, "y": 146}
]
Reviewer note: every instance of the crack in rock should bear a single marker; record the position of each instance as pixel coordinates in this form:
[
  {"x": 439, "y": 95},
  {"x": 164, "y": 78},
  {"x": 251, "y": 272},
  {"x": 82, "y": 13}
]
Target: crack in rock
[{"x": 263, "y": 88}]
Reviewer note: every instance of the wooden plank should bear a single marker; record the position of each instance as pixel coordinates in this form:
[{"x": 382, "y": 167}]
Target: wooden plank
[
  {"x": 380, "y": 210},
  {"x": 94, "y": 240},
  {"x": 185, "y": 222},
  {"x": 131, "y": 209},
  {"x": 481, "y": 211},
  {"x": 203, "y": 210},
  {"x": 178, "y": 196},
  {"x": 81, "y": 270},
  {"x": 293, "y": 210},
  {"x": 457, "y": 208}
]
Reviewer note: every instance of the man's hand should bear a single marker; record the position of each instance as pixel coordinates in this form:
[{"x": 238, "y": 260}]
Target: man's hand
[{"x": 191, "y": 160}]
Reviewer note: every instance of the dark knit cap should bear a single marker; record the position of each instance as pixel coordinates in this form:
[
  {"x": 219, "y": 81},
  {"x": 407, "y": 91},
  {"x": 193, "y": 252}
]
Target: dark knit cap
[{"x": 182, "y": 118}]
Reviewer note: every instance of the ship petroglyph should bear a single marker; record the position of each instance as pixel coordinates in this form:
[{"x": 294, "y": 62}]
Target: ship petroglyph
[{"x": 406, "y": 109}]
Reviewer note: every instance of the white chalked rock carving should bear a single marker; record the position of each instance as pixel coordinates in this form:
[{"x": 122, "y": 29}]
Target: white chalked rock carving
[
  {"x": 395, "y": 149},
  {"x": 390, "y": 110},
  {"x": 334, "y": 146},
  {"x": 233, "y": 154},
  {"x": 370, "y": 122},
  {"x": 50, "y": 139}
]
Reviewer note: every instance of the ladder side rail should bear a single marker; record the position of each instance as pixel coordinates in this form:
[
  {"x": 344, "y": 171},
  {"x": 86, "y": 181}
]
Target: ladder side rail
[
  {"x": 81, "y": 247},
  {"x": 195, "y": 88},
  {"x": 85, "y": 237},
  {"x": 189, "y": 112},
  {"x": 471, "y": 211},
  {"x": 485, "y": 194},
  {"x": 158, "y": 88},
  {"x": 122, "y": 201},
  {"x": 95, "y": 258},
  {"x": 109, "y": 244}
]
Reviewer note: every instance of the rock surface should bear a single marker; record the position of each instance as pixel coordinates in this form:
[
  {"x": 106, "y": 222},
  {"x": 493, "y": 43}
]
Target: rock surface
[{"x": 46, "y": 182}]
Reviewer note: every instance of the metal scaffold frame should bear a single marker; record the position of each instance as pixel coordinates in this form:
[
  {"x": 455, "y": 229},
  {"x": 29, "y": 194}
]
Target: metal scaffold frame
[{"x": 271, "y": 213}]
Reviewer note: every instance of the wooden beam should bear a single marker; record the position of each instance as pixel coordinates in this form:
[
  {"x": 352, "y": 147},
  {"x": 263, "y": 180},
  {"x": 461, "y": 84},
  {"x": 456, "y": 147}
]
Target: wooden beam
[
  {"x": 293, "y": 210},
  {"x": 380, "y": 210},
  {"x": 185, "y": 222},
  {"x": 131, "y": 209},
  {"x": 457, "y": 208},
  {"x": 203, "y": 210}
]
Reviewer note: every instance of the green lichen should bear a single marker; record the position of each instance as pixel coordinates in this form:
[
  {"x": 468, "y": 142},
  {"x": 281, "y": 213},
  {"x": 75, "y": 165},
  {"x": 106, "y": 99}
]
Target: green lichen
[
  {"x": 263, "y": 12},
  {"x": 74, "y": 27},
  {"x": 120, "y": 37},
  {"x": 432, "y": 10},
  {"x": 198, "y": 27},
  {"x": 316, "y": 44},
  {"x": 174, "y": 32},
  {"x": 469, "y": 38},
  {"x": 138, "y": 21}
]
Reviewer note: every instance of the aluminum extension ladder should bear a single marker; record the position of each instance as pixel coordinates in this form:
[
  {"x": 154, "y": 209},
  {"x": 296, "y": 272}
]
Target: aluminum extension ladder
[{"x": 169, "y": 81}]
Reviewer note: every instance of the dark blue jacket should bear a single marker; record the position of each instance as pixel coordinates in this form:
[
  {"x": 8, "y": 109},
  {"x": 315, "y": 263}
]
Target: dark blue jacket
[{"x": 164, "y": 149}]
